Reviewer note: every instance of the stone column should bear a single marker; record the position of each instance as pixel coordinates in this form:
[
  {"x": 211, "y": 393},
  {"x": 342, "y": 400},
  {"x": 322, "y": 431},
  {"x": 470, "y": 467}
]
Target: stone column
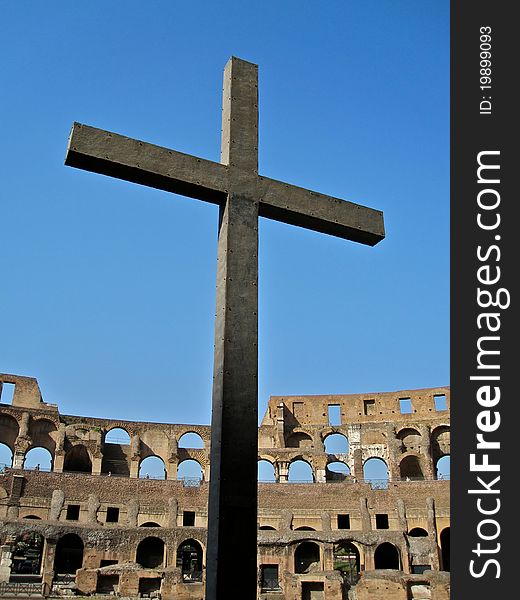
[
  {"x": 432, "y": 533},
  {"x": 5, "y": 563},
  {"x": 426, "y": 452},
  {"x": 283, "y": 471},
  {"x": 366, "y": 521},
  {"x": 401, "y": 513},
  {"x": 57, "y": 500}
]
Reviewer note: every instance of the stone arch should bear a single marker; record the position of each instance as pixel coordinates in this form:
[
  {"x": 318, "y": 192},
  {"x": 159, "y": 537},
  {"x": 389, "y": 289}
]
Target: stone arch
[
  {"x": 304, "y": 528},
  {"x": 150, "y": 524},
  {"x": 337, "y": 471},
  {"x": 69, "y": 554},
  {"x": 347, "y": 561},
  {"x": 267, "y": 528},
  {"x": 266, "y": 471},
  {"x": 307, "y": 557},
  {"x": 445, "y": 548},
  {"x": 190, "y": 469},
  {"x": 34, "y": 517},
  {"x": 38, "y": 458},
  {"x": 117, "y": 435},
  {"x": 191, "y": 439},
  {"x": 299, "y": 439},
  {"x": 77, "y": 460},
  {"x": 410, "y": 439},
  {"x": 386, "y": 556},
  {"x": 28, "y": 553},
  {"x": 189, "y": 560},
  {"x": 152, "y": 467},
  {"x": 418, "y": 532},
  {"x": 150, "y": 553},
  {"x": 42, "y": 433},
  {"x": 410, "y": 468},
  {"x": 440, "y": 441},
  {"x": 375, "y": 471},
  {"x": 6, "y": 456},
  {"x": 442, "y": 467},
  {"x": 336, "y": 443},
  {"x": 298, "y": 472},
  {"x": 9, "y": 430}
]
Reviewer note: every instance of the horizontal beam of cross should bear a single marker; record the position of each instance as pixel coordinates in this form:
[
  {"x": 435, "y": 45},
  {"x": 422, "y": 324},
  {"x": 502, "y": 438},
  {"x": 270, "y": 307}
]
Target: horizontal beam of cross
[{"x": 129, "y": 159}]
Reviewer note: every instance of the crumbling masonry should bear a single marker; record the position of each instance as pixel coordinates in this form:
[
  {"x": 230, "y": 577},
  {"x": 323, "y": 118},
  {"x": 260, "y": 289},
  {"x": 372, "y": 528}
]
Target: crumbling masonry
[{"x": 94, "y": 524}]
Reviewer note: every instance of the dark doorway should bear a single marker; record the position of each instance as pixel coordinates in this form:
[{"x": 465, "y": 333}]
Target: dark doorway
[
  {"x": 306, "y": 557},
  {"x": 445, "y": 549},
  {"x": 150, "y": 553},
  {"x": 189, "y": 559},
  {"x": 386, "y": 556},
  {"x": 27, "y": 554},
  {"x": 69, "y": 554},
  {"x": 346, "y": 561},
  {"x": 313, "y": 590},
  {"x": 78, "y": 460}
]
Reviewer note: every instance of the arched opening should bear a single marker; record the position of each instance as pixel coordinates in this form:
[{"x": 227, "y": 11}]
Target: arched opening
[
  {"x": 386, "y": 556},
  {"x": 189, "y": 560},
  {"x": 27, "y": 554},
  {"x": 299, "y": 440},
  {"x": 33, "y": 517},
  {"x": 336, "y": 443},
  {"x": 189, "y": 469},
  {"x": 442, "y": 467},
  {"x": 305, "y": 528},
  {"x": 150, "y": 553},
  {"x": 375, "y": 472},
  {"x": 152, "y": 467},
  {"x": 118, "y": 435},
  {"x": 347, "y": 562},
  {"x": 410, "y": 439},
  {"x": 69, "y": 554},
  {"x": 39, "y": 459},
  {"x": 445, "y": 549},
  {"x": 267, "y": 528},
  {"x": 191, "y": 440},
  {"x": 336, "y": 471},
  {"x": 77, "y": 460},
  {"x": 42, "y": 433},
  {"x": 8, "y": 430},
  {"x": 307, "y": 557},
  {"x": 266, "y": 472},
  {"x": 150, "y": 524},
  {"x": 410, "y": 468},
  {"x": 300, "y": 471},
  {"x": 418, "y": 532},
  {"x": 6, "y": 456}
]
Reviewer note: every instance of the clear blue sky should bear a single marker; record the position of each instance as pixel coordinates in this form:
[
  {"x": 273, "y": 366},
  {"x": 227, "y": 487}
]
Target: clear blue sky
[{"x": 107, "y": 292}]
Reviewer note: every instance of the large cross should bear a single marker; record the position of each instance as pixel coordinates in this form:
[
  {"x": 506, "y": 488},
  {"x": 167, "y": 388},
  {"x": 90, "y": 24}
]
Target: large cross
[{"x": 242, "y": 195}]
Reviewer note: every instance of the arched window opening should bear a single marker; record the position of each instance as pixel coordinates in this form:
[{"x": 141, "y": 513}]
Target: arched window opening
[
  {"x": 418, "y": 532},
  {"x": 189, "y": 560},
  {"x": 307, "y": 558},
  {"x": 299, "y": 440},
  {"x": 6, "y": 457},
  {"x": 41, "y": 432},
  {"x": 152, "y": 467},
  {"x": 305, "y": 528},
  {"x": 190, "y": 469},
  {"x": 267, "y": 528},
  {"x": 150, "y": 524},
  {"x": 150, "y": 553},
  {"x": 39, "y": 459},
  {"x": 375, "y": 472},
  {"x": 33, "y": 517},
  {"x": 410, "y": 469},
  {"x": 386, "y": 556},
  {"x": 442, "y": 467},
  {"x": 118, "y": 435},
  {"x": 300, "y": 472},
  {"x": 410, "y": 439},
  {"x": 266, "y": 472},
  {"x": 445, "y": 549},
  {"x": 336, "y": 443},
  {"x": 337, "y": 471},
  {"x": 8, "y": 430},
  {"x": 191, "y": 440},
  {"x": 27, "y": 554},
  {"x": 440, "y": 441},
  {"x": 347, "y": 562},
  {"x": 69, "y": 554}
]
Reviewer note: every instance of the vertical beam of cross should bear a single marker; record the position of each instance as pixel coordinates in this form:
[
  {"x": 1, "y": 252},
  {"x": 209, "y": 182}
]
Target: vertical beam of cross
[{"x": 232, "y": 510}]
